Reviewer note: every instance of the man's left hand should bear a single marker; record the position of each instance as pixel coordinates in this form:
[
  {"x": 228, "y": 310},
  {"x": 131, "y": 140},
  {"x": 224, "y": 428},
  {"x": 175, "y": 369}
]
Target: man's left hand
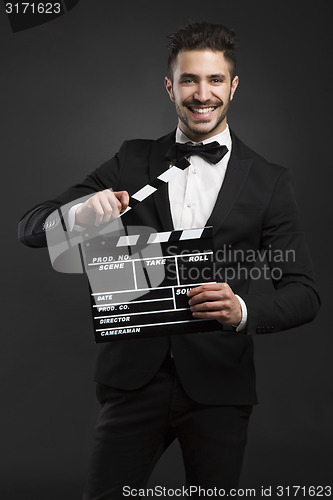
[{"x": 215, "y": 301}]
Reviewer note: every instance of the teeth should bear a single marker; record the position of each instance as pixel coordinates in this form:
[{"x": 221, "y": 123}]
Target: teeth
[{"x": 203, "y": 110}]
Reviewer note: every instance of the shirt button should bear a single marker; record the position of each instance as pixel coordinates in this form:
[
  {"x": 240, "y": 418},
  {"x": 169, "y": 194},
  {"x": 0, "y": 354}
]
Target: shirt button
[
  {"x": 188, "y": 204},
  {"x": 194, "y": 171}
]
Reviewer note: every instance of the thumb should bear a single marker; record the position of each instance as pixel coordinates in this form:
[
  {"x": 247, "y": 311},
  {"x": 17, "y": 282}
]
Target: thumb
[{"x": 123, "y": 197}]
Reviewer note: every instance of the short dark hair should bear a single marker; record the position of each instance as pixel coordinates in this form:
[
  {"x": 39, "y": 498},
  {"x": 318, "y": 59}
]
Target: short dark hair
[{"x": 200, "y": 36}]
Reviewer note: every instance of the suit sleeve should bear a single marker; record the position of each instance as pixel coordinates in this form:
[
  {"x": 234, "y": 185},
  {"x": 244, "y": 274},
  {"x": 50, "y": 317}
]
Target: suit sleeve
[
  {"x": 34, "y": 224},
  {"x": 295, "y": 300}
]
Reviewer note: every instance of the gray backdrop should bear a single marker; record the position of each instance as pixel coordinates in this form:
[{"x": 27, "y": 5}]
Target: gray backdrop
[{"x": 71, "y": 91}]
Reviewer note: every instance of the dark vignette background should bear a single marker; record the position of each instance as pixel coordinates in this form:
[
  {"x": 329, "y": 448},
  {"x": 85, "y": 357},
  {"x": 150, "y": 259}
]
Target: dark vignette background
[{"x": 71, "y": 91}]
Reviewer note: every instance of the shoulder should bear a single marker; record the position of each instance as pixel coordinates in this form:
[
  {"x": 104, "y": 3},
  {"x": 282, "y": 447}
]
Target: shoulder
[
  {"x": 144, "y": 145},
  {"x": 260, "y": 165}
]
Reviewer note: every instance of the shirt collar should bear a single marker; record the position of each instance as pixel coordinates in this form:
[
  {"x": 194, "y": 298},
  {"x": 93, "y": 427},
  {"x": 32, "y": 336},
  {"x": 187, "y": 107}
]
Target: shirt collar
[{"x": 224, "y": 138}]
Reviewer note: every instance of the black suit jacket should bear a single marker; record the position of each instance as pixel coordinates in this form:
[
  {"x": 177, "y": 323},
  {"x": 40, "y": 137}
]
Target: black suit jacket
[{"x": 255, "y": 210}]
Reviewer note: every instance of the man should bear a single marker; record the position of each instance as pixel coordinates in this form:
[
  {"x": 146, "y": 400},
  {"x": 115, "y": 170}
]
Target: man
[{"x": 200, "y": 387}]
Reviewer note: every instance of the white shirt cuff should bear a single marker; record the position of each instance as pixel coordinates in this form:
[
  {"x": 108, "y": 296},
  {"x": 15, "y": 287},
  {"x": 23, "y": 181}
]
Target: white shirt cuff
[
  {"x": 243, "y": 322},
  {"x": 71, "y": 226}
]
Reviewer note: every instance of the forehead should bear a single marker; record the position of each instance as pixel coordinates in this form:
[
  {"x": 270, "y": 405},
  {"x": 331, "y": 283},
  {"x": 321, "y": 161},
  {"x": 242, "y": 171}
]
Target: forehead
[{"x": 200, "y": 62}]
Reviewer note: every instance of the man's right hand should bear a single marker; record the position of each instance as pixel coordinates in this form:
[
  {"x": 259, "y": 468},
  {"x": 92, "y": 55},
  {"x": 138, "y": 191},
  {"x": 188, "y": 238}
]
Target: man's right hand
[{"x": 101, "y": 208}]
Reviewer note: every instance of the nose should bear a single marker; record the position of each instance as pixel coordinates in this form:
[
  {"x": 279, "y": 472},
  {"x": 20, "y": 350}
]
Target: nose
[{"x": 202, "y": 92}]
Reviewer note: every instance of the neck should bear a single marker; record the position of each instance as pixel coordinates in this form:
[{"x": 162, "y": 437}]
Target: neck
[{"x": 200, "y": 136}]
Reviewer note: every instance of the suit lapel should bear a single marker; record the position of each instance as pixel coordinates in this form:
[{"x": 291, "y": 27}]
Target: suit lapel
[
  {"x": 236, "y": 174},
  {"x": 157, "y": 165},
  {"x": 235, "y": 177}
]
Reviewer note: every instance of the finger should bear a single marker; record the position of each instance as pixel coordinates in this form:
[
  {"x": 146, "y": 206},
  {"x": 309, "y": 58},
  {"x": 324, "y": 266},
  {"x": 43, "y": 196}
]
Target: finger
[
  {"x": 216, "y": 305},
  {"x": 101, "y": 204},
  {"x": 115, "y": 205},
  {"x": 110, "y": 204},
  {"x": 123, "y": 197},
  {"x": 208, "y": 286},
  {"x": 95, "y": 205},
  {"x": 194, "y": 291},
  {"x": 109, "y": 207},
  {"x": 206, "y": 296}
]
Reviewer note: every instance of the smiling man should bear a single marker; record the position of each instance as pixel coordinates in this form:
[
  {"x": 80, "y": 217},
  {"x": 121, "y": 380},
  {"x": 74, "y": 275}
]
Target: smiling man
[
  {"x": 201, "y": 84},
  {"x": 199, "y": 387}
]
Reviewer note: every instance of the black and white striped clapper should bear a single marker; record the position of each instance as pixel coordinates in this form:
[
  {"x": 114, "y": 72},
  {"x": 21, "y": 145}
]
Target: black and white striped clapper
[
  {"x": 153, "y": 186},
  {"x": 64, "y": 245}
]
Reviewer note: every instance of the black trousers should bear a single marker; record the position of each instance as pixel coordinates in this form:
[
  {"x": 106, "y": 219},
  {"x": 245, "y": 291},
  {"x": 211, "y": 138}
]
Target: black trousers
[{"x": 134, "y": 428}]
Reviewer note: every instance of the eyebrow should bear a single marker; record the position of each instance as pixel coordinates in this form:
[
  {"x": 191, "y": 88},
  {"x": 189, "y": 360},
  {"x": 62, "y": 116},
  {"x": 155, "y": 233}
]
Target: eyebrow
[
  {"x": 218, "y": 75},
  {"x": 192, "y": 75}
]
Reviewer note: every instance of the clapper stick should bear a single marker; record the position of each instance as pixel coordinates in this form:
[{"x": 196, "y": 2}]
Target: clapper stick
[
  {"x": 64, "y": 246},
  {"x": 158, "y": 182},
  {"x": 143, "y": 193}
]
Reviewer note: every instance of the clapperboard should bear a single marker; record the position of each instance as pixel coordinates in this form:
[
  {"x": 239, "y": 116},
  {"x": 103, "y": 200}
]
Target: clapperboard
[{"x": 138, "y": 282}]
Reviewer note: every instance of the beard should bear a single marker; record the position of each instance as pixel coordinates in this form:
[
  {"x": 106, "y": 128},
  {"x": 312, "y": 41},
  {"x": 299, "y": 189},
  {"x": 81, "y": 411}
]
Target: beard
[{"x": 192, "y": 127}]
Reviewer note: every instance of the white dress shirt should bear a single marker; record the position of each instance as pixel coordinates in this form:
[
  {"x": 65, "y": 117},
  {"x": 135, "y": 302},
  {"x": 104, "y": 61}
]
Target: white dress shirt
[{"x": 194, "y": 191}]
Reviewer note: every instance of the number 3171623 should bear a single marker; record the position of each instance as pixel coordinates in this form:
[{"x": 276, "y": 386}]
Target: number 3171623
[{"x": 33, "y": 8}]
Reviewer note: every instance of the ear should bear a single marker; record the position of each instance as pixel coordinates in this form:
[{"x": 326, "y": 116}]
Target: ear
[
  {"x": 234, "y": 85},
  {"x": 168, "y": 86}
]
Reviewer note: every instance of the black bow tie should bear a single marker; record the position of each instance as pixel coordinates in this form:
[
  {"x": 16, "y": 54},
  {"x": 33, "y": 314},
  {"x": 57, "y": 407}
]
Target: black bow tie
[{"x": 212, "y": 152}]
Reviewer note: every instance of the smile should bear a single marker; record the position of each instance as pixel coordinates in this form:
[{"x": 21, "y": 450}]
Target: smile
[{"x": 202, "y": 111}]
